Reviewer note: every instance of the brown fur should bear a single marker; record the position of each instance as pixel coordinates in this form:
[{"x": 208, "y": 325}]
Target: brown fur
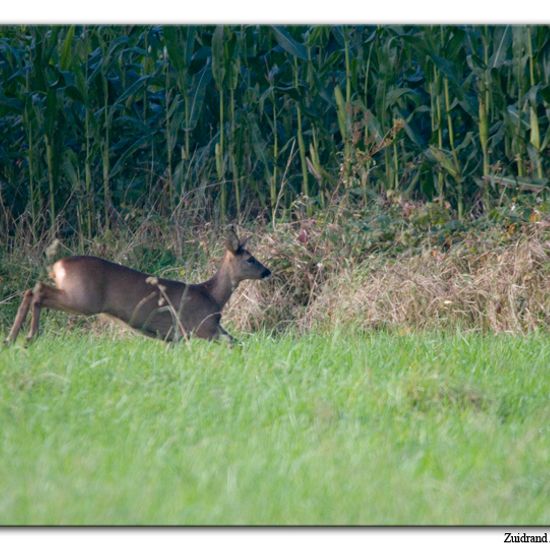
[{"x": 157, "y": 307}]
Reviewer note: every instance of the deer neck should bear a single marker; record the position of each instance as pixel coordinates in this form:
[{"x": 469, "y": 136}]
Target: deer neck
[{"x": 222, "y": 284}]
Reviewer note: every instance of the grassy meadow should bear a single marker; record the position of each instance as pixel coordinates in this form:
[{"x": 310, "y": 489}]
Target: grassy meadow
[{"x": 340, "y": 428}]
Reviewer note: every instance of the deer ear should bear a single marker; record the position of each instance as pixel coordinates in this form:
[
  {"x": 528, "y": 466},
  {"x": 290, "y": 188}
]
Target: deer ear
[
  {"x": 232, "y": 241},
  {"x": 244, "y": 241}
]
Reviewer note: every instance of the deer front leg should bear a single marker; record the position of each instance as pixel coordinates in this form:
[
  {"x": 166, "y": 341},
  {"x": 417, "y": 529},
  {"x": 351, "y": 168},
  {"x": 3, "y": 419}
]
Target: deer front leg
[
  {"x": 20, "y": 317},
  {"x": 222, "y": 334}
]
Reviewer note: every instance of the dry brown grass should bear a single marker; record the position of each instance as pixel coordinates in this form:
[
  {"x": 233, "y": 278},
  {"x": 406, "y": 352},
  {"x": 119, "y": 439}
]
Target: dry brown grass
[
  {"x": 480, "y": 283},
  {"x": 302, "y": 257},
  {"x": 332, "y": 270}
]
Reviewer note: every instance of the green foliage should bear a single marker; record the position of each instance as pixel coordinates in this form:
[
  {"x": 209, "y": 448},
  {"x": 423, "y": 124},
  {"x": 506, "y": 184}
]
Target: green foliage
[{"x": 228, "y": 121}]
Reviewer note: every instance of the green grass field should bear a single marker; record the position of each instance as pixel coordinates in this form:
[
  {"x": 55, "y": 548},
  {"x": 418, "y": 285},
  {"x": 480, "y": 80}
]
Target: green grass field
[{"x": 323, "y": 429}]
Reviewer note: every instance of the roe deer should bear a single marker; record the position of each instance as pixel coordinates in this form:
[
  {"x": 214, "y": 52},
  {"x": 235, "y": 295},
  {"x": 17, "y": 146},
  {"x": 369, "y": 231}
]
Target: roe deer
[{"x": 157, "y": 307}]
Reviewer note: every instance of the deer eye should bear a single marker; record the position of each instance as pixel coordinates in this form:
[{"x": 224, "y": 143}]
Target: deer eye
[{"x": 250, "y": 261}]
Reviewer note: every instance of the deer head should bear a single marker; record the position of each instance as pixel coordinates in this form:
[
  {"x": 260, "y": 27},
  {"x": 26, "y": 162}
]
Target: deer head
[{"x": 239, "y": 262}]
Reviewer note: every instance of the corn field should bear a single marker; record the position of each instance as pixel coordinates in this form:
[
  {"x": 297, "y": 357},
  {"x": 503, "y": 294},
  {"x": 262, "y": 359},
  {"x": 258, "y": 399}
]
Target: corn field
[{"x": 101, "y": 123}]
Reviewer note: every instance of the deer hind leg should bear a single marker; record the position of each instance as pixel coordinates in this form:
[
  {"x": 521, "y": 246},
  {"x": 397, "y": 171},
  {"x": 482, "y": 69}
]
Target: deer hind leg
[
  {"x": 45, "y": 296},
  {"x": 20, "y": 317}
]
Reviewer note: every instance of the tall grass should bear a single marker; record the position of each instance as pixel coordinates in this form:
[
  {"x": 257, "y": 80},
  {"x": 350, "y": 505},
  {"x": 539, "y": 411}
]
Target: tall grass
[{"x": 96, "y": 122}]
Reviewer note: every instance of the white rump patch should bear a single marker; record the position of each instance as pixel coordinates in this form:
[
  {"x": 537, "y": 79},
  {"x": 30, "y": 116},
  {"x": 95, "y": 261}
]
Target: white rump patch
[{"x": 59, "y": 274}]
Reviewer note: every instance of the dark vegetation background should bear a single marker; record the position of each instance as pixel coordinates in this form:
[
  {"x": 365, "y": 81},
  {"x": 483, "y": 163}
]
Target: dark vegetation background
[{"x": 395, "y": 175}]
